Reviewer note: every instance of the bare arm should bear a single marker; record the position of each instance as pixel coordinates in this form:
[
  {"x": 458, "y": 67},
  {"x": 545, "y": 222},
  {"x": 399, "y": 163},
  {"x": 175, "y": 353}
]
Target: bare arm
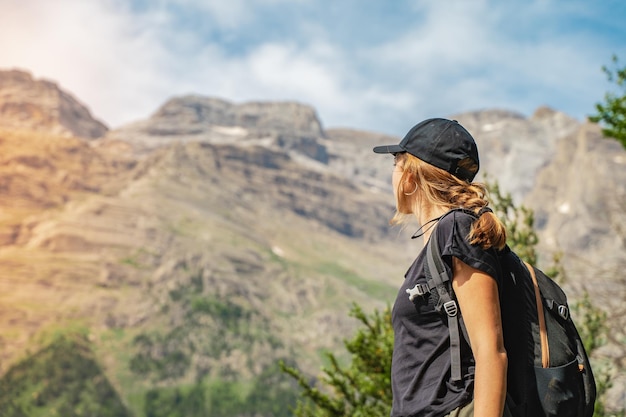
[{"x": 477, "y": 295}]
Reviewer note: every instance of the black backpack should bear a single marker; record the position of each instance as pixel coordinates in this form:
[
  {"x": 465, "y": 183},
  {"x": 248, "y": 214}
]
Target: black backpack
[{"x": 549, "y": 374}]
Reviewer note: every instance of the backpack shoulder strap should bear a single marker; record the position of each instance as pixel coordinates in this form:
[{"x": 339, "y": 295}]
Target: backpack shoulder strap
[
  {"x": 439, "y": 280},
  {"x": 543, "y": 332}
]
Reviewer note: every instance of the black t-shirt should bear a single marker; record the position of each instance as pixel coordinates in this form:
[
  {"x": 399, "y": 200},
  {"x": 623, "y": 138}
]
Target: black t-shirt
[{"x": 420, "y": 371}]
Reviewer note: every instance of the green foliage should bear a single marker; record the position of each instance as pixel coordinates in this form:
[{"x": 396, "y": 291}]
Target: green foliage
[
  {"x": 519, "y": 222},
  {"x": 212, "y": 327},
  {"x": 63, "y": 379},
  {"x": 172, "y": 402},
  {"x": 163, "y": 359},
  {"x": 270, "y": 394},
  {"x": 591, "y": 324},
  {"x": 228, "y": 312},
  {"x": 603, "y": 383},
  {"x": 612, "y": 113},
  {"x": 364, "y": 387}
]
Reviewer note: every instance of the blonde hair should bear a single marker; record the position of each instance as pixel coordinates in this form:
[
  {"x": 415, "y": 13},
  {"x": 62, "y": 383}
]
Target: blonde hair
[{"x": 436, "y": 187}]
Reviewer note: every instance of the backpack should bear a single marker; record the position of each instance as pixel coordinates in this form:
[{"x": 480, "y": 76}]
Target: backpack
[{"x": 549, "y": 374}]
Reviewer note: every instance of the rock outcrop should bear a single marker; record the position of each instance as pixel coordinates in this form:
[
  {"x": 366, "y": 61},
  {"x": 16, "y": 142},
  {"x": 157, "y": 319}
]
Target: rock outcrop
[
  {"x": 40, "y": 105},
  {"x": 286, "y": 125},
  {"x": 578, "y": 201},
  {"x": 514, "y": 149}
]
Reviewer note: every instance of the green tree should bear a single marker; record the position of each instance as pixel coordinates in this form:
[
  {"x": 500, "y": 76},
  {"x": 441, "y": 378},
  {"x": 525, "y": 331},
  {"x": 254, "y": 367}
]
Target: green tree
[
  {"x": 363, "y": 387},
  {"x": 612, "y": 112}
]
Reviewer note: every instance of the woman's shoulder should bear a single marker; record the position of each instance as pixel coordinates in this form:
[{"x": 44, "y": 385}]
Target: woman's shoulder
[
  {"x": 454, "y": 241},
  {"x": 458, "y": 217},
  {"x": 454, "y": 228}
]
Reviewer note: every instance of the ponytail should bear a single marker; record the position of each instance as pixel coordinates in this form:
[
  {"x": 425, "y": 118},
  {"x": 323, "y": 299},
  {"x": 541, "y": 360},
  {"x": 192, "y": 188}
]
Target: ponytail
[{"x": 487, "y": 231}]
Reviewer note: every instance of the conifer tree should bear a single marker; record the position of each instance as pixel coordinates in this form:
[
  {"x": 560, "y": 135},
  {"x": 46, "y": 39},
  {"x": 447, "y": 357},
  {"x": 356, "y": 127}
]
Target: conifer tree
[{"x": 363, "y": 387}]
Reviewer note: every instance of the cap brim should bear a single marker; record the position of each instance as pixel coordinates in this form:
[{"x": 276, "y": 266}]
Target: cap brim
[{"x": 388, "y": 149}]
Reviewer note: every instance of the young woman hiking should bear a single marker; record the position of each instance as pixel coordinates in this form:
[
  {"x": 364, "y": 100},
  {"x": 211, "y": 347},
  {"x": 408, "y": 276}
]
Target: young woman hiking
[{"x": 434, "y": 166}]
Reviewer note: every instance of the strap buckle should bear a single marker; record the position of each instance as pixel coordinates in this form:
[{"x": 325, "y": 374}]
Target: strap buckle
[
  {"x": 561, "y": 309},
  {"x": 418, "y": 290},
  {"x": 450, "y": 308}
]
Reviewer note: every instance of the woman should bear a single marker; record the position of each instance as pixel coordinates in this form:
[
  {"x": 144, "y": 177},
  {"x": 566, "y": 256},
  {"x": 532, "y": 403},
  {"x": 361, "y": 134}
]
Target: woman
[{"x": 435, "y": 164}]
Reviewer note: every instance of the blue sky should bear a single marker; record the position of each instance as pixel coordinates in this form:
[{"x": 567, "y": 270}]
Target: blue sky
[{"x": 369, "y": 65}]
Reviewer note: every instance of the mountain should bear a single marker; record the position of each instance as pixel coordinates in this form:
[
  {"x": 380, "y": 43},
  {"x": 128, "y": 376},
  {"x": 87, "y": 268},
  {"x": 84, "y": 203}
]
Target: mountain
[
  {"x": 208, "y": 241},
  {"x": 40, "y": 105},
  {"x": 191, "y": 118},
  {"x": 195, "y": 261}
]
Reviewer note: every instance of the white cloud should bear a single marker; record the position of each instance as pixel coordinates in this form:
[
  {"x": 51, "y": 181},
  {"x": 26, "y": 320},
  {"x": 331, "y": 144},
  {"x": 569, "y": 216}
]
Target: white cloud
[
  {"x": 286, "y": 69},
  {"x": 123, "y": 65},
  {"x": 469, "y": 55},
  {"x": 103, "y": 55},
  {"x": 453, "y": 56}
]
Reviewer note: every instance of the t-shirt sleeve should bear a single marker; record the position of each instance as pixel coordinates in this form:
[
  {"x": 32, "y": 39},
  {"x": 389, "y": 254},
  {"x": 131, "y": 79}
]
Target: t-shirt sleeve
[{"x": 453, "y": 231}]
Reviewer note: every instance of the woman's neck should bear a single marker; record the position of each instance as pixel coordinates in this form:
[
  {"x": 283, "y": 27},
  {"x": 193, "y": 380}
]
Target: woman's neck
[{"x": 429, "y": 215}]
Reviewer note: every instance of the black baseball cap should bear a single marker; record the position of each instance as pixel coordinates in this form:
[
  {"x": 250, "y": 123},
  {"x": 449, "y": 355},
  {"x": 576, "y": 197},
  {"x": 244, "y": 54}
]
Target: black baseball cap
[{"x": 440, "y": 142}]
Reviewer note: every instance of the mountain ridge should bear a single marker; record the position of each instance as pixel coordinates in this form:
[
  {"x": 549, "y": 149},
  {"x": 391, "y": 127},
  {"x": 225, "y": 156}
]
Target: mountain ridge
[{"x": 41, "y": 105}]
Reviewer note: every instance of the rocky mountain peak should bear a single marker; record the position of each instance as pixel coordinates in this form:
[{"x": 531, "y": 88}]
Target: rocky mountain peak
[
  {"x": 40, "y": 105},
  {"x": 544, "y": 112},
  {"x": 285, "y": 125},
  {"x": 195, "y": 114}
]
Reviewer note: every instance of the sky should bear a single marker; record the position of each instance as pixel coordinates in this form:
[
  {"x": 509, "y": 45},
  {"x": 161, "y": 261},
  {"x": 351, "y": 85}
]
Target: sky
[{"x": 372, "y": 65}]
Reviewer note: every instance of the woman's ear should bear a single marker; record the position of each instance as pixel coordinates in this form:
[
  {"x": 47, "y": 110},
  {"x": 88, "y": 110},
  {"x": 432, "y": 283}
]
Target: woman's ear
[{"x": 409, "y": 187}]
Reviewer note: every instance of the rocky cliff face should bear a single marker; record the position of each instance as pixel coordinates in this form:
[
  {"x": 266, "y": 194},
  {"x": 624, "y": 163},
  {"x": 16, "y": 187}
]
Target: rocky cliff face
[
  {"x": 514, "y": 149},
  {"x": 284, "y": 125},
  {"x": 40, "y": 105},
  {"x": 193, "y": 114},
  {"x": 578, "y": 201}
]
